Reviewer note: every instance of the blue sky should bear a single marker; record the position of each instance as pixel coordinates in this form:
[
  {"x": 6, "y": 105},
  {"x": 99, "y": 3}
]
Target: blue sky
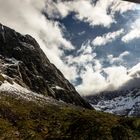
[
  {"x": 96, "y": 46},
  {"x": 79, "y": 32}
]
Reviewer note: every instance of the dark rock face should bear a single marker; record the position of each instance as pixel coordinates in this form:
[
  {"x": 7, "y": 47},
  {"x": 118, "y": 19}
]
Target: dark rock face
[{"x": 22, "y": 59}]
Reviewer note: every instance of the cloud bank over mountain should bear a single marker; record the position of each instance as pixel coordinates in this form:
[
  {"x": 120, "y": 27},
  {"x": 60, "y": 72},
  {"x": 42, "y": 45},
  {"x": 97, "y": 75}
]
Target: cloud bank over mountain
[{"x": 81, "y": 65}]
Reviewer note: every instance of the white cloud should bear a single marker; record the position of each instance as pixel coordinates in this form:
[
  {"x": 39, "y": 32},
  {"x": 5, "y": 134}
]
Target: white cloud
[
  {"x": 85, "y": 56},
  {"x": 122, "y": 6},
  {"x": 93, "y": 14},
  {"x": 95, "y": 81},
  {"x": 134, "y": 74},
  {"x": 84, "y": 9},
  {"x": 81, "y": 33},
  {"x": 57, "y": 10},
  {"x": 125, "y": 53},
  {"x": 134, "y": 32},
  {"x": 92, "y": 82},
  {"x": 117, "y": 77},
  {"x": 107, "y": 38},
  {"x": 118, "y": 59},
  {"x": 88, "y": 12},
  {"x": 135, "y": 71}
]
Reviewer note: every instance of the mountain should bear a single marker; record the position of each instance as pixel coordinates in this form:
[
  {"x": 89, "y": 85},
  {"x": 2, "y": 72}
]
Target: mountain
[
  {"x": 37, "y": 102},
  {"x": 22, "y": 60},
  {"x": 124, "y": 103}
]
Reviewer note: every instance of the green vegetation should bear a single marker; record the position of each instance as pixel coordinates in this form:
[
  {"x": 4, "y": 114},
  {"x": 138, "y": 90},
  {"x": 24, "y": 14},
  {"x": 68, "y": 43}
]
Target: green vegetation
[{"x": 20, "y": 119}]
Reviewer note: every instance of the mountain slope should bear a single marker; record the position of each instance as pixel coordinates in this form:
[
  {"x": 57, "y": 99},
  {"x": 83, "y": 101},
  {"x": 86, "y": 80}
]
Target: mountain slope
[
  {"x": 38, "y": 120},
  {"x": 25, "y": 63},
  {"x": 125, "y": 103}
]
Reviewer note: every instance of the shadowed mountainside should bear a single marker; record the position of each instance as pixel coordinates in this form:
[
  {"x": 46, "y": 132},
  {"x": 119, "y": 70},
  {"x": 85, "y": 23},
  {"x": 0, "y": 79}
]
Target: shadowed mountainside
[{"x": 22, "y": 59}]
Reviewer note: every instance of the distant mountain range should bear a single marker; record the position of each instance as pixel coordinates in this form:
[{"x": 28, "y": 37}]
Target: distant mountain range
[{"x": 124, "y": 103}]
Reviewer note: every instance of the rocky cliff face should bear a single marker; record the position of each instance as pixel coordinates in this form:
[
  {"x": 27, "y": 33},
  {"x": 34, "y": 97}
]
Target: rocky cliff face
[{"x": 22, "y": 60}]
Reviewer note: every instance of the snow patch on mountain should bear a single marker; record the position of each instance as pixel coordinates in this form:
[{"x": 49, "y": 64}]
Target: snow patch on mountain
[
  {"x": 127, "y": 104},
  {"x": 58, "y": 88},
  {"x": 19, "y": 92}
]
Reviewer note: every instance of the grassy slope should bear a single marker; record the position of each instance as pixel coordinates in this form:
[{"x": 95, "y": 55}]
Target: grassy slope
[{"x": 27, "y": 120}]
